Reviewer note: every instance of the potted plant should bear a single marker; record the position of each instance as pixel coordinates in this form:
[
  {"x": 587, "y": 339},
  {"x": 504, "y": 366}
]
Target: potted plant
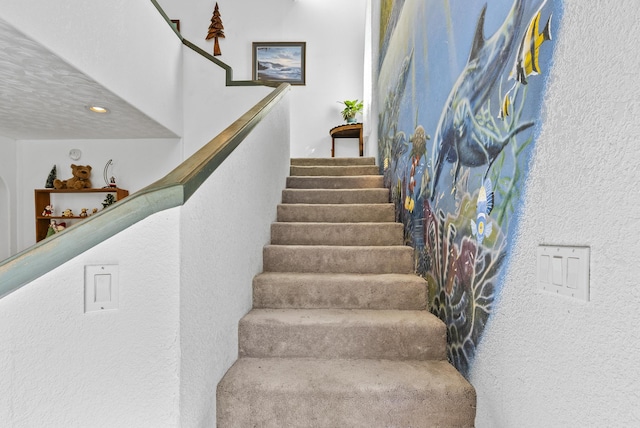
[{"x": 351, "y": 108}]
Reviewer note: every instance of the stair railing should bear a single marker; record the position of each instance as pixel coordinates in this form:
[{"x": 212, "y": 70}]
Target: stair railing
[
  {"x": 228, "y": 70},
  {"x": 171, "y": 191}
]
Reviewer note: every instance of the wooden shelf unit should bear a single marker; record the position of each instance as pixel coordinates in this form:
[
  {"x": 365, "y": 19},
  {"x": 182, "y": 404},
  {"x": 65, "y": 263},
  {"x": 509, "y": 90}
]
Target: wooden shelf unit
[{"x": 43, "y": 198}]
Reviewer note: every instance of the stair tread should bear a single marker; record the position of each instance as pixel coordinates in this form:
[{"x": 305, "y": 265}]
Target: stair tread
[
  {"x": 343, "y": 317},
  {"x": 344, "y": 393},
  {"x": 333, "y": 161},
  {"x": 300, "y": 374},
  {"x": 346, "y": 291},
  {"x": 329, "y": 233},
  {"x": 332, "y": 170},
  {"x": 335, "y": 196},
  {"x": 342, "y": 333},
  {"x": 390, "y": 278},
  {"x": 339, "y": 182}
]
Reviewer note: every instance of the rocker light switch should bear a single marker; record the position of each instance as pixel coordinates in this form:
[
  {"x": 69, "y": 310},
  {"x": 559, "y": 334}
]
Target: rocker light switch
[
  {"x": 100, "y": 288},
  {"x": 564, "y": 270}
]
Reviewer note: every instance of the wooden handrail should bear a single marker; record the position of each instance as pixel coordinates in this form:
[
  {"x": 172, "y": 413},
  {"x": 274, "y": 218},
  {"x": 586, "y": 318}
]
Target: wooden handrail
[{"x": 228, "y": 70}]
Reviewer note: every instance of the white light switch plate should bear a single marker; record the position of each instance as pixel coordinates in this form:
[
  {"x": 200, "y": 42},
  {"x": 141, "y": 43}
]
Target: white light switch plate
[
  {"x": 100, "y": 287},
  {"x": 564, "y": 270}
]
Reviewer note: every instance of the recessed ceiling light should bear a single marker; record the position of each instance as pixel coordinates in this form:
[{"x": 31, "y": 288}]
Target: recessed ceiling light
[{"x": 98, "y": 109}]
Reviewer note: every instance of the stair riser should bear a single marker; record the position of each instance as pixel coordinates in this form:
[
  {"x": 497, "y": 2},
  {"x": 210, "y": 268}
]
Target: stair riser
[
  {"x": 344, "y": 196},
  {"x": 341, "y": 213},
  {"x": 410, "y": 339},
  {"x": 352, "y": 393},
  {"x": 332, "y": 161},
  {"x": 328, "y": 259},
  {"x": 413, "y": 408},
  {"x": 399, "y": 292},
  {"x": 359, "y": 182},
  {"x": 333, "y": 171},
  {"x": 375, "y": 234}
]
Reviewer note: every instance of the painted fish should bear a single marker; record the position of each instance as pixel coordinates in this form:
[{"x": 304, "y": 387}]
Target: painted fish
[
  {"x": 527, "y": 61},
  {"x": 484, "y": 205},
  {"x": 409, "y": 204},
  {"x": 504, "y": 109},
  {"x": 459, "y": 139}
]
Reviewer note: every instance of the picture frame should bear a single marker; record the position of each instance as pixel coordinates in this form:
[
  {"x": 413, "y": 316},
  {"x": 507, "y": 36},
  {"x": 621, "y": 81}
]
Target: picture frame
[{"x": 280, "y": 62}]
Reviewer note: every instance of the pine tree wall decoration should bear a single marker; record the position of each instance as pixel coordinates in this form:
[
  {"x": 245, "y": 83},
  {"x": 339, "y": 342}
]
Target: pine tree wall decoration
[{"x": 216, "y": 30}]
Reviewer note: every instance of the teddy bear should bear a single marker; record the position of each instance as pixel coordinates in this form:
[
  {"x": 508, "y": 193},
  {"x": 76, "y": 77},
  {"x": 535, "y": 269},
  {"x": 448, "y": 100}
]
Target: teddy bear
[
  {"x": 84, "y": 212},
  {"x": 67, "y": 213},
  {"x": 80, "y": 179}
]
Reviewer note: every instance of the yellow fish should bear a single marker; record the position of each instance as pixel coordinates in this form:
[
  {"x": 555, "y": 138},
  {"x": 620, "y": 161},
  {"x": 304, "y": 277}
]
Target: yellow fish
[
  {"x": 527, "y": 61},
  {"x": 409, "y": 204},
  {"x": 504, "y": 110}
]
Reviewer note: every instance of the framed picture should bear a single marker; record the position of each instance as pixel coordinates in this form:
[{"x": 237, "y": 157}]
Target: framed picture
[{"x": 279, "y": 62}]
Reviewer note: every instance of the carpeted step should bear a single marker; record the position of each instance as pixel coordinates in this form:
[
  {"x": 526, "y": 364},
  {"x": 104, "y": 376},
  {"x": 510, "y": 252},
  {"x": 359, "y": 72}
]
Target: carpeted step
[
  {"x": 323, "y": 170},
  {"x": 333, "y": 161},
  {"x": 356, "y": 182},
  {"x": 335, "y": 196},
  {"x": 336, "y": 213},
  {"x": 283, "y": 290},
  {"x": 342, "y": 333},
  {"x": 338, "y": 259},
  {"x": 275, "y": 393},
  {"x": 297, "y": 233}
]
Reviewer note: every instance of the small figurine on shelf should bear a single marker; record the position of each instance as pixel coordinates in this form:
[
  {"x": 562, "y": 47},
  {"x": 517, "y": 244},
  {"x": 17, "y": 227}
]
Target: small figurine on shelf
[
  {"x": 48, "y": 211},
  {"x": 67, "y": 213},
  {"x": 50, "y": 179},
  {"x": 54, "y": 227},
  {"x": 95, "y": 210},
  {"x": 112, "y": 182},
  {"x": 109, "y": 200},
  {"x": 83, "y": 212}
]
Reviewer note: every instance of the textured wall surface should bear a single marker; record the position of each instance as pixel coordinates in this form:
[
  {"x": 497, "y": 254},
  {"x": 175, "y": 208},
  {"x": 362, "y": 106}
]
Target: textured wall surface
[
  {"x": 547, "y": 360},
  {"x": 125, "y": 46},
  {"x": 61, "y": 367},
  {"x": 223, "y": 229}
]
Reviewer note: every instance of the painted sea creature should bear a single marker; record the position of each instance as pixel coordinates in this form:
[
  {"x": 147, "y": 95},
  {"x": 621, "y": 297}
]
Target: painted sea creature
[
  {"x": 504, "y": 109},
  {"x": 394, "y": 143},
  {"x": 482, "y": 228},
  {"x": 459, "y": 139},
  {"x": 527, "y": 62}
]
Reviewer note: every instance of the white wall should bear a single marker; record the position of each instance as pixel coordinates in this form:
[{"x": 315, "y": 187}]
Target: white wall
[
  {"x": 7, "y": 197},
  {"x": 61, "y": 367},
  {"x": 124, "y": 45},
  {"x": 137, "y": 163},
  {"x": 209, "y": 105},
  {"x": 184, "y": 282},
  {"x": 551, "y": 361},
  {"x": 334, "y": 61},
  {"x": 224, "y": 227}
]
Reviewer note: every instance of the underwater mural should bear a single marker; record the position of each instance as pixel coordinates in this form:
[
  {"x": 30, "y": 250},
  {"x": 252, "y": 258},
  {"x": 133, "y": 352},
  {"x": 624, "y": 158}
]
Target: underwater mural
[{"x": 460, "y": 89}]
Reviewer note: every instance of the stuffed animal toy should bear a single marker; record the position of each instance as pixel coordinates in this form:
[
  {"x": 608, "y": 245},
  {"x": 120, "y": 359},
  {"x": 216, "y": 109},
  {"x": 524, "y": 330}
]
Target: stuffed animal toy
[
  {"x": 48, "y": 211},
  {"x": 84, "y": 212},
  {"x": 80, "y": 179},
  {"x": 67, "y": 213}
]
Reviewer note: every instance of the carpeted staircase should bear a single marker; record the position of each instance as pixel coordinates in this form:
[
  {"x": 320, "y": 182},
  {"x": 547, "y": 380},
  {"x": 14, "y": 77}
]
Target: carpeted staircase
[{"x": 339, "y": 335}]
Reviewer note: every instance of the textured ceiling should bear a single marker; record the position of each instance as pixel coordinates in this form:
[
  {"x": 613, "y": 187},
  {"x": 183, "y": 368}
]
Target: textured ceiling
[{"x": 43, "y": 97}]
